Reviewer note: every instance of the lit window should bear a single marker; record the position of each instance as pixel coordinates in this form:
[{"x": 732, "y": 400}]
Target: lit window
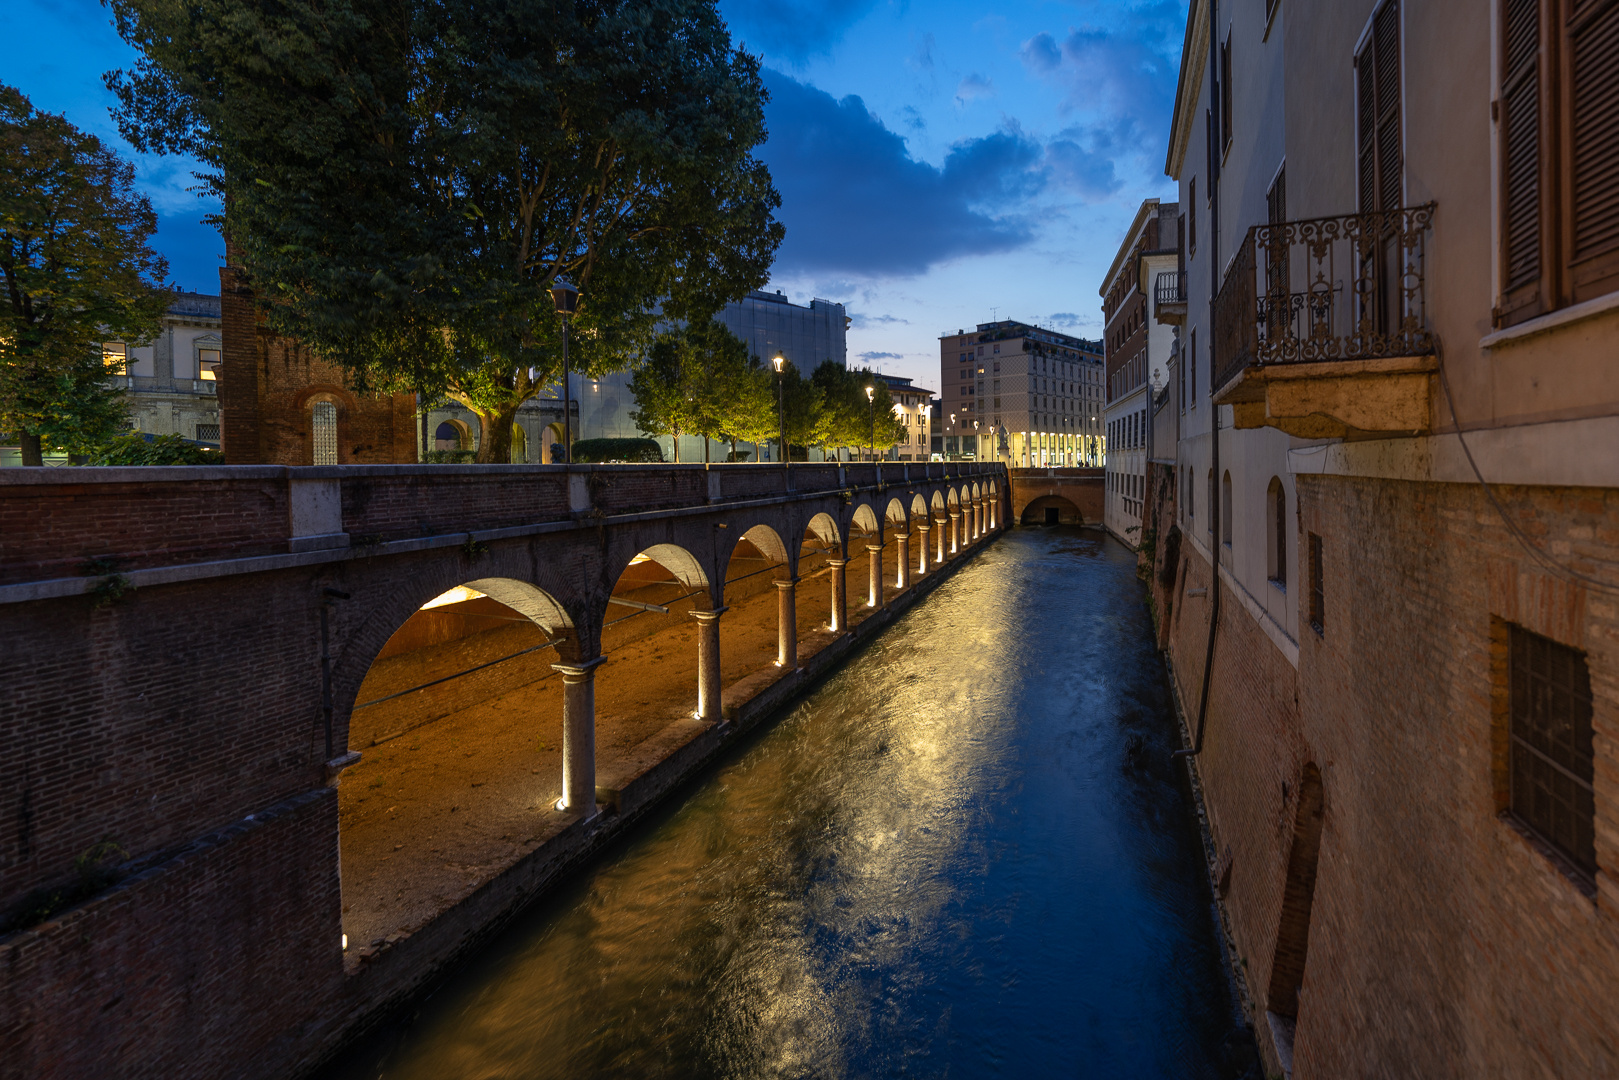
[
  {"x": 208, "y": 365},
  {"x": 115, "y": 358}
]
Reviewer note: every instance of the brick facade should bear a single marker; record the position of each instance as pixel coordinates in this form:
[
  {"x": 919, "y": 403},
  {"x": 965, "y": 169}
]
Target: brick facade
[{"x": 269, "y": 385}]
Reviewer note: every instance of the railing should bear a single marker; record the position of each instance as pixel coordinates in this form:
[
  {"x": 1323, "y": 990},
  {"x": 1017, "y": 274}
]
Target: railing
[
  {"x": 1170, "y": 288},
  {"x": 1336, "y": 288}
]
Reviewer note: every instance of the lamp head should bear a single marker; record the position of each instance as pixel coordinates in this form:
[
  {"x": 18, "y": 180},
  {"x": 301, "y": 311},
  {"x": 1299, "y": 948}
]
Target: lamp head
[
  {"x": 565, "y": 295},
  {"x": 871, "y": 393},
  {"x": 780, "y": 361}
]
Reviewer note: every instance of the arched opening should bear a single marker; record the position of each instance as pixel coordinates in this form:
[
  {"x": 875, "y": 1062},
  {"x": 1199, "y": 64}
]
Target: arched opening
[
  {"x": 953, "y": 506},
  {"x": 519, "y": 445},
  {"x": 551, "y": 445},
  {"x": 323, "y": 432},
  {"x": 452, "y": 435},
  {"x": 1276, "y": 533},
  {"x": 1287, "y": 968},
  {"x": 820, "y": 582},
  {"x": 653, "y": 674},
  {"x": 921, "y": 536},
  {"x": 1051, "y": 510},
  {"x": 458, "y": 723},
  {"x": 1225, "y": 509},
  {"x": 759, "y": 633},
  {"x": 897, "y": 556},
  {"x": 864, "y": 534},
  {"x": 940, "y": 509}
]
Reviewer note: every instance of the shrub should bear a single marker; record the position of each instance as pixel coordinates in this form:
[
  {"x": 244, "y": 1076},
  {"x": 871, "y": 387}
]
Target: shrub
[
  {"x": 612, "y": 450},
  {"x": 138, "y": 449},
  {"x": 451, "y": 457}
]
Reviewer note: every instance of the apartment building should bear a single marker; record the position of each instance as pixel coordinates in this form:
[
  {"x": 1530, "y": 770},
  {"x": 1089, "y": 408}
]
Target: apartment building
[
  {"x": 1136, "y": 352},
  {"x": 911, "y": 406},
  {"x": 1021, "y": 393},
  {"x": 1391, "y": 519}
]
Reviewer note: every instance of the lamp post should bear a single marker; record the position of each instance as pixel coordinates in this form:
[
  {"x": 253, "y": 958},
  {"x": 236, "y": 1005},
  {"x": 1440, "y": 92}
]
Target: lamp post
[
  {"x": 566, "y": 297},
  {"x": 954, "y": 435},
  {"x": 780, "y": 362},
  {"x": 871, "y": 430},
  {"x": 978, "y": 451}
]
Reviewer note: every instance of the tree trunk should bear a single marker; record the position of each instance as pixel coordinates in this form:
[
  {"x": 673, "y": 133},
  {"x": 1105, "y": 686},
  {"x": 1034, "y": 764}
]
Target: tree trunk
[
  {"x": 31, "y": 453},
  {"x": 495, "y": 436},
  {"x": 674, "y": 440},
  {"x": 706, "y": 441},
  {"x": 733, "y": 450}
]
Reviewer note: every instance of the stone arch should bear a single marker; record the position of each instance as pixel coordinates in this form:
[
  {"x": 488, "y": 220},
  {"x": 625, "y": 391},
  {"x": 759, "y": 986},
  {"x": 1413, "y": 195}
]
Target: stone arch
[
  {"x": 1051, "y": 510},
  {"x": 864, "y": 517},
  {"x": 938, "y": 501},
  {"x": 896, "y": 513},
  {"x": 919, "y": 507},
  {"x": 952, "y": 499},
  {"x": 825, "y": 528},
  {"x": 677, "y": 560},
  {"x": 453, "y": 430},
  {"x": 768, "y": 541}
]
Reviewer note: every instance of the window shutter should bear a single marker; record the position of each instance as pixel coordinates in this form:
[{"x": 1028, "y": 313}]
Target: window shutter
[
  {"x": 1592, "y": 111},
  {"x": 1377, "y": 70},
  {"x": 1521, "y": 122}
]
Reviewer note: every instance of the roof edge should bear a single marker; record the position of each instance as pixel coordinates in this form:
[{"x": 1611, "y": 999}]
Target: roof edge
[{"x": 1194, "y": 58}]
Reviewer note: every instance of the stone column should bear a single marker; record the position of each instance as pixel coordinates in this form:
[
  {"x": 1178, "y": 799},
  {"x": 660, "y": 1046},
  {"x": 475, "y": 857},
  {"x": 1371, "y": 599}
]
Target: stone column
[
  {"x": 579, "y": 735},
  {"x": 990, "y": 502},
  {"x": 787, "y": 623},
  {"x": 955, "y": 531},
  {"x": 840, "y": 609},
  {"x": 944, "y": 529},
  {"x": 902, "y": 579},
  {"x": 874, "y": 598},
  {"x": 708, "y": 664},
  {"x": 978, "y": 517},
  {"x": 922, "y": 550}
]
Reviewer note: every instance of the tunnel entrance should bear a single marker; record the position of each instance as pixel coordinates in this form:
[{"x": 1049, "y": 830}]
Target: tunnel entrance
[{"x": 1052, "y": 514}]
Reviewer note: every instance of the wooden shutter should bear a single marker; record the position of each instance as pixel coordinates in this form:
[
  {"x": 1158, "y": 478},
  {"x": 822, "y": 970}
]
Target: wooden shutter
[
  {"x": 1377, "y": 69},
  {"x": 1591, "y": 152},
  {"x": 1523, "y": 161}
]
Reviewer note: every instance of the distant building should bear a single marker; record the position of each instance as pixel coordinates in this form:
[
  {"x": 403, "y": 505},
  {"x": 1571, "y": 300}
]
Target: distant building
[
  {"x": 1137, "y": 349},
  {"x": 1042, "y": 388},
  {"x": 911, "y": 406},
  {"x": 807, "y": 336}
]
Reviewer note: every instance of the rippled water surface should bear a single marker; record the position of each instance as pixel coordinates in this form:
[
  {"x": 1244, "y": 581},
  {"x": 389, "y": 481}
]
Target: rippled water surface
[{"x": 966, "y": 854}]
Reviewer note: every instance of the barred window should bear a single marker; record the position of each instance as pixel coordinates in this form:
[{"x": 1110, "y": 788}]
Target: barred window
[
  {"x": 1549, "y": 688},
  {"x": 324, "y": 421}
]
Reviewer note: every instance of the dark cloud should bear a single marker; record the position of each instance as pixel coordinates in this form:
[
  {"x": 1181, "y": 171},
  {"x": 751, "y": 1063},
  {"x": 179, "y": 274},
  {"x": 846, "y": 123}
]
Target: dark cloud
[
  {"x": 1081, "y": 160},
  {"x": 870, "y": 356},
  {"x": 794, "y": 30},
  {"x": 855, "y": 201}
]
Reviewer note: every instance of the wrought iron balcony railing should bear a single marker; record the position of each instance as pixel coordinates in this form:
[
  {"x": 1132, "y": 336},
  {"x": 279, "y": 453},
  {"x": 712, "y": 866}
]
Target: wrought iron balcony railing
[
  {"x": 1170, "y": 288},
  {"x": 1326, "y": 289}
]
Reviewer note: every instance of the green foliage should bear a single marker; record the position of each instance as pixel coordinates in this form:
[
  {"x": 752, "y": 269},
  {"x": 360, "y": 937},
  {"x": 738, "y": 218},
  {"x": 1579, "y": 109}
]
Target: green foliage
[
  {"x": 848, "y": 418},
  {"x": 451, "y": 457},
  {"x": 135, "y": 449},
  {"x": 603, "y": 450},
  {"x": 404, "y": 179},
  {"x": 111, "y": 586},
  {"x": 76, "y": 269}
]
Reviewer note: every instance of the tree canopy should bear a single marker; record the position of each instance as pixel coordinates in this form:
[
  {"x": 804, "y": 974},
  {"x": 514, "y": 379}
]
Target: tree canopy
[
  {"x": 77, "y": 270},
  {"x": 404, "y": 180}
]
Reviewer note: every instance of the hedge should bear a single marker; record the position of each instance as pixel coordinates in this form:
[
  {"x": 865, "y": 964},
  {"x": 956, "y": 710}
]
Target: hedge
[{"x": 611, "y": 450}]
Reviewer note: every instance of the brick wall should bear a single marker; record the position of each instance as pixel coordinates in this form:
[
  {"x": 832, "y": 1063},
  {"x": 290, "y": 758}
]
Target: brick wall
[
  {"x": 1444, "y": 943},
  {"x": 268, "y": 386}
]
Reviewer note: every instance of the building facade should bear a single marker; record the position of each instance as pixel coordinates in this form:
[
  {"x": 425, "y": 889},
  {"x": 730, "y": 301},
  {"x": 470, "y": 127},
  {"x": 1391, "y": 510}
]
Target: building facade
[
  {"x": 911, "y": 406},
  {"x": 1137, "y": 350},
  {"x": 1391, "y": 520},
  {"x": 1021, "y": 393},
  {"x": 173, "y": 382}
]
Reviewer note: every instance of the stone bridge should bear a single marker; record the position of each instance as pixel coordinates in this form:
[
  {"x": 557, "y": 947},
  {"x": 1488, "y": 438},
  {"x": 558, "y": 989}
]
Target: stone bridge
[
  {"x": 1058, "y": 496},
  {"x": 186, "y": 653}
]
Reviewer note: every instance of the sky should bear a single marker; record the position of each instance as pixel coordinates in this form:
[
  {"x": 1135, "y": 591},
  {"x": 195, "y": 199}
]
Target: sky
[{"x": 940, "y": 164}]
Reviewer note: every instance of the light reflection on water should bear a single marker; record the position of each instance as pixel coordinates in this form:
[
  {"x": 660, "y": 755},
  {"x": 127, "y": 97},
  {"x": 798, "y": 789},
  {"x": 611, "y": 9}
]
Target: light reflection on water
[{"x": 966, "y": 854}]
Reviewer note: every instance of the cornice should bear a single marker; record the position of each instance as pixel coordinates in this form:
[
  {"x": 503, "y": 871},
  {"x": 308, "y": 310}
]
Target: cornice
[{"x": 1194, "y": 59}]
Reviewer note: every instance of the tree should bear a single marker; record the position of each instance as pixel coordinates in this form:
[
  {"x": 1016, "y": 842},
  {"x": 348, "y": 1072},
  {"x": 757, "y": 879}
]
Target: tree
[
  {"x": 698, "y": 379},
  {"x": 77, "y": 270},
  {"x": 404, "y": 181},
  {"x": 848, "y": 418}
]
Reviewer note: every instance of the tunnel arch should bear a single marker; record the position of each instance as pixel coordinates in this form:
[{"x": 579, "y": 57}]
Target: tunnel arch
[{"x": 1039, "y": 512}]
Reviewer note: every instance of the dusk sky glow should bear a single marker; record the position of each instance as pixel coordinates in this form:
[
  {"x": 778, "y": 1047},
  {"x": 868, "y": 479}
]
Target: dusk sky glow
[{"x": 938, "y": 163}]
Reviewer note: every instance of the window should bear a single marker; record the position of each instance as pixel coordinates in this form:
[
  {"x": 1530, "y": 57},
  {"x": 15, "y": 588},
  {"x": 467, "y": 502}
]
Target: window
[
  {"x": 323, "y": 421},
  {"x": 1225, "y": 509},
  {"x": 207, "y": 432},
  {"x": 1558, "y": 113},
  {"x": 1225, "y": 95},
  {"x": 1318, "y": 587},
  {"x": 1191, "y": 217},
  {"x": 1549, "y": 691},
  {"x": 1377, "y": 84},
  {"x": 1191, "y": 367},
  {"x": 208, "y": 365},
  {"x": 1276, "y": 519}
]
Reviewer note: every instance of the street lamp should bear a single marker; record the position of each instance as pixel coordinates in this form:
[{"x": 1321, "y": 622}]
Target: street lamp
[
  {"x": 780, "y": 363},
  {"x": 977, "y": 450},
  {"x": 871, "y": 435},
  {"x": 566, "y": 297}
]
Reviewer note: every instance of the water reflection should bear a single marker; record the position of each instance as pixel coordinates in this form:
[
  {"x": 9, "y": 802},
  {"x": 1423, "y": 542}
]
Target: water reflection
[{"x": 967, "y": 854}]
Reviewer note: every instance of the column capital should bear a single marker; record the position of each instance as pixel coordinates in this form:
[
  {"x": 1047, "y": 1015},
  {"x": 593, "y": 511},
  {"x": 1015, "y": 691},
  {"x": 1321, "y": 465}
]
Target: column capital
[
  {"x": 874, "y": 547},
  {"x": 922, "y": 528},
  {"x": 710, "y": 615},
  {"x": 580, "y": 669},
  {"x": 788, "y": 584},
  {"x": 837, "y": 564}
]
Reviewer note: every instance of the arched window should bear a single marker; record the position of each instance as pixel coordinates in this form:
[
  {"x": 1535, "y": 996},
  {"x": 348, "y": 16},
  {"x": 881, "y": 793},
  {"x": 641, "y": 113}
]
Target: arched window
[
  {"x": 519, "y": 445},
  {"x": 323, "y": 425},
  {"x": 1276, "y": 534},
  {"x": 1225, "y": 509}
]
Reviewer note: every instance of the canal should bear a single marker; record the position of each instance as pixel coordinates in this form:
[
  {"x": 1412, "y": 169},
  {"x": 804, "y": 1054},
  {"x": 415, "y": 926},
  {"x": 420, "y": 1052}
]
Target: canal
[{"x": 967, "y": 853}]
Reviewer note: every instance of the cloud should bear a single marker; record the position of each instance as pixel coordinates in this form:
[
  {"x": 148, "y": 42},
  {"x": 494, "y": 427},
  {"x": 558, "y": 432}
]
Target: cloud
[
  {"x": 1040, "y": 54},
  {"x": 855, "y": 201},
  {"x": 973, "y": 87},
  {"x": 1064, "y": 318},
  {"x": 795, "y": 30},
  {"x": 870, "y": 356},
  {"x": 865, "y": 322},
  {"x": 1081, "y": 160}
]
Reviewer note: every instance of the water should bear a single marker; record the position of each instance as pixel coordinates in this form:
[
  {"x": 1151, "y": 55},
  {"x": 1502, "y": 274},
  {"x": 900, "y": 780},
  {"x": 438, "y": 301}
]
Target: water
[{"x": 967, "y": 854}]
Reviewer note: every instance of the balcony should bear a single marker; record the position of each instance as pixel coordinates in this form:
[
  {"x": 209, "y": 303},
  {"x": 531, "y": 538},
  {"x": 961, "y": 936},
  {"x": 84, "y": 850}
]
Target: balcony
[
  {"x": 1169, "y": 297},
  {"x": 1320, "y": 327}
]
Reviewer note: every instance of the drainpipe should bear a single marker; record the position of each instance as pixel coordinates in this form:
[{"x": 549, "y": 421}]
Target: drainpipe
[{"x": 1214, "y": 421}]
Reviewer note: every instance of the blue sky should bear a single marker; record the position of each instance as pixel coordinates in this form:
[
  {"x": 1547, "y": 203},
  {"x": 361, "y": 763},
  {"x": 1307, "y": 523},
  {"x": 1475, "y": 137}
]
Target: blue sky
[{"x": 939, "y": 163}]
